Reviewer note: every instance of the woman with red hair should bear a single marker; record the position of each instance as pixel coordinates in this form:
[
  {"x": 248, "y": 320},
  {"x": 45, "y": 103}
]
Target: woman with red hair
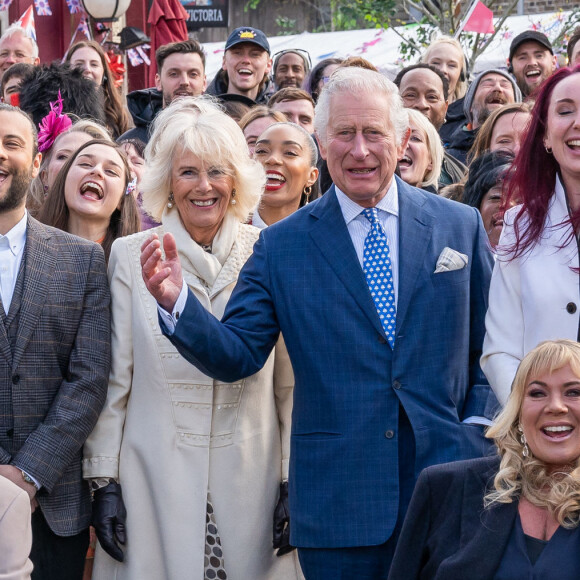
[{"x": 535, "y": 288}]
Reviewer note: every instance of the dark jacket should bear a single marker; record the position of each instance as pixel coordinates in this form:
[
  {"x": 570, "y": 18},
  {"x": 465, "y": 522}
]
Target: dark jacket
[
  {"x": 454, "y": 119},
  {"x": 461, "y": 142},
  {"x": 448, "y": 534},
  {"x": 452, "y": 170},
  {"x": 143, "y": 106},
  {"x": 219, "y": 86}
]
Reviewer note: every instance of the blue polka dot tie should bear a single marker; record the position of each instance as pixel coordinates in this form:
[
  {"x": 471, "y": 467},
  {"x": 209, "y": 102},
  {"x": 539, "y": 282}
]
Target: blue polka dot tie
[{"x": 379, "y": 273}]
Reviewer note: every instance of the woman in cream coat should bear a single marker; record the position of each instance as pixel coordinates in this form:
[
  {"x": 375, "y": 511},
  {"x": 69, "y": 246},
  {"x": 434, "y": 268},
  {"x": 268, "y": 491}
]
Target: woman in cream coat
[
  {"x": 189, "y": 453},
  {"x": 535, "y": 287}
]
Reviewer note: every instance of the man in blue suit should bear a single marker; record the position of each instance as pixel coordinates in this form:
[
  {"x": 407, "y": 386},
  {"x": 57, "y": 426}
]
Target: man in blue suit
[{"x": 385, "y": 356}]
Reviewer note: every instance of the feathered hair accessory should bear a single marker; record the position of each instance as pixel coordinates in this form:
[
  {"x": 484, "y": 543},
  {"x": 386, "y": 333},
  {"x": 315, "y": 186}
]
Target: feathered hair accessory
[{"x": 52, "y": 125}]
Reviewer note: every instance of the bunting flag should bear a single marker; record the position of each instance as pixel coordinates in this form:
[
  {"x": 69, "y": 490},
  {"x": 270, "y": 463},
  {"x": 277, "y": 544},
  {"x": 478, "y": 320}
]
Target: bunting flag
[
  {"x": 4, "y": 4},
  {"x": 480, "y": 20},
  {"x": 138, "y": 55},
  {"x": 42, "y": 8},
  {"x": 83, "y": 28},
  {"x": 74, "y": 6},
  {"x": 26, "y": 21}
]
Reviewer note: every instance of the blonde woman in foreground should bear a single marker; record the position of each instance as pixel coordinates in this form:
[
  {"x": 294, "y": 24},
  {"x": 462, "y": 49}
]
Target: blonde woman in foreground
[{"x": 514, "y": 515}]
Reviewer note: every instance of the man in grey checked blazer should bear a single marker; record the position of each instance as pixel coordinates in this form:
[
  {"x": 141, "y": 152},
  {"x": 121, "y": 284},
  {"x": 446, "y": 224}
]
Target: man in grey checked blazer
[{"x": 54, "y": 358}]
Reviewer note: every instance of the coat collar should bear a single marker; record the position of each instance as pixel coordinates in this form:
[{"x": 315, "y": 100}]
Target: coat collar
[{"x": 486, "y": 529}]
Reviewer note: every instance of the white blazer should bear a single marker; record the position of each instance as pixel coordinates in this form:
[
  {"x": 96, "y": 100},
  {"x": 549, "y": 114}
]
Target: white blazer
[{"x": 532, "y": 298}]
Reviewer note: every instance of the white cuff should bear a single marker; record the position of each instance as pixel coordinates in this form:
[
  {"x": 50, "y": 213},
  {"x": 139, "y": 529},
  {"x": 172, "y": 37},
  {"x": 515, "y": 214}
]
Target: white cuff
[
  {"x": 475, "y": 420},
  {"x": 170, "y": 320}
]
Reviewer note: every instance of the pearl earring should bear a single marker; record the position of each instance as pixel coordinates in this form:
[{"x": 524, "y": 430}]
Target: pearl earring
[{"x": 170, "y": 200}]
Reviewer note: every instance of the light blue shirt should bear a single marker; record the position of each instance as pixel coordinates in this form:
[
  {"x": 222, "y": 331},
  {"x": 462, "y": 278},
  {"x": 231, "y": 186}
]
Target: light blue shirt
[
  {"x": 11, "y": 251},
  {"x": 359, "y": 226}
]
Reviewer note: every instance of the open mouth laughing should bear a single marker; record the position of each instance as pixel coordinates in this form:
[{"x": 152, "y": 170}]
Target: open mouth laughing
[{"x": 92, "y": 190}]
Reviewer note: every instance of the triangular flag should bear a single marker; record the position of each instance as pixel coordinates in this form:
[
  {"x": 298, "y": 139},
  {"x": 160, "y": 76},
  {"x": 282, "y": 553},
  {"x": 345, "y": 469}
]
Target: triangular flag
[
  {"x": 5, "y": 4},
  {"x": 42, "y": 8},
  {"x": 26, "y": 21},
  {"x": 480, "y": 20}
]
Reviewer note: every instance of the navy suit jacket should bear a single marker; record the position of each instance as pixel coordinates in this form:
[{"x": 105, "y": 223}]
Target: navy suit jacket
[
  {"x": 448, "y": 534},
  {"x": 304, "y": 279}
]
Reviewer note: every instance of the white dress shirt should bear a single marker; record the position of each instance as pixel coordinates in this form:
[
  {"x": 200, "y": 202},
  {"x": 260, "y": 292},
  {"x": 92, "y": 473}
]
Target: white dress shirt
[
  {"x": 359, "y": 226},
  {"x": 11, "y": 252}
]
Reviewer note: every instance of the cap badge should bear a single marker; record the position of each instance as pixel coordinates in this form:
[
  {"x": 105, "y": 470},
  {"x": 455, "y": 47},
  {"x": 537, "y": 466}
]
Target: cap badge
[{"x": 248, "y": 34}]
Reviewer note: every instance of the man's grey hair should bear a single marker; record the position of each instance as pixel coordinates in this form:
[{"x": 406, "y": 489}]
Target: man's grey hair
[
  {"x": 349, "y": 81},
  {"x": 14, "y": 29}
]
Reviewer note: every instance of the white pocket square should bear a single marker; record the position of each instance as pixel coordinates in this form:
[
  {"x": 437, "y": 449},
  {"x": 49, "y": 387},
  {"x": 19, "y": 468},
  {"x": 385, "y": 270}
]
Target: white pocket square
[{"x": 450, "y": 260}]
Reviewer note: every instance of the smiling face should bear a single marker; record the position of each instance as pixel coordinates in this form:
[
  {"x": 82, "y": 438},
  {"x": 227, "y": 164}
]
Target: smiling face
[
  {"x": 448, "y": 59},
  {"x": 491, "y": 215},
  {"x": 202, "y": 193},
  {"x": 421, "y": 89},
  {"x": 89, "y": 61},
  {"x": 18, "y": 164},
  {"x": 16, "y": 48},
  {"x": 361, "y": 146},
  {"x": 300, "y": 112},
  {"x": 493, "y": 91},
  {"x": 550, "y": 417},
  {"x": 563, "y": 130},
  {"x": 136, "y": 162},
  {"x": 182, "y": 75},
  {"x": 246, "y": 64},
  {"x": 417, "y": 160},
  {"x": 290, "y": 71},
  {"x": 532, "y": 64},
  {"x": 95, "y": 183},
  {"x": 64, "y": 147},
  {"x": 508, "y": 132},
  {"x": 286, "y": 157}
]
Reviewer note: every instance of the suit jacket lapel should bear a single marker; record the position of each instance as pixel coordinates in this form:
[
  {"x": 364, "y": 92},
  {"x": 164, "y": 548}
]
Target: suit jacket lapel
[
  {"x": 415, "y": 229},
  {"x": 331, "y": 236},
  {"x": 5, "y": 349},
  {"x": 485, "y": 530},
  {"x": 40, "y": 265}
]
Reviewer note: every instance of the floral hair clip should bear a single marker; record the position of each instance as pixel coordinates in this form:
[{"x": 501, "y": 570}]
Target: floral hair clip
[
  {"x": 52, "y": 125},
  {"x": 131, "y": 187}
]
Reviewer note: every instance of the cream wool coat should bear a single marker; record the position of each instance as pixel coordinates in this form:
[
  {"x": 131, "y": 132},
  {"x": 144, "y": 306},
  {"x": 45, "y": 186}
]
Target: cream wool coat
[{"x": 169, "y": 433}]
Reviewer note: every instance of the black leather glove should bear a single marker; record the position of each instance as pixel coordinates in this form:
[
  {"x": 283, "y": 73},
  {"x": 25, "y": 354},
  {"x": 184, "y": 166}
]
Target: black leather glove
[
  {"x": 282, "y": 523},
  {"x": 109, "y": 518}
]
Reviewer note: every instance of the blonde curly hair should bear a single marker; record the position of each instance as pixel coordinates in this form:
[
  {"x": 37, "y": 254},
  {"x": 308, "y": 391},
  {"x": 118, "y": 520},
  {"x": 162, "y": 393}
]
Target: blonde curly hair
[
  {"x": 528, "y": 477},
  {"x": 198, "y": 124}
]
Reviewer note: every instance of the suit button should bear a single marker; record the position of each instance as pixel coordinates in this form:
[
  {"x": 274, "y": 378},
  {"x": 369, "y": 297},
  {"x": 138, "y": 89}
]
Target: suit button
[
  {"x": 10, "y": 432},
  {"x": 571, "y": 308},
  {"x": 382, "y": 339},
  {"x": 389, "y": 434},
  {"x": 396, "y": 385},
  {"x": 15, "y": 379}
]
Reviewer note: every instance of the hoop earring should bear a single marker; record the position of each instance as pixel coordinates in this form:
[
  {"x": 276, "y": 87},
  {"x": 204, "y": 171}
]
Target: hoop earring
[
  {"x": 233, "y": 202},
  {"x": 548, "y": 150},
  {"x": 307, "y": 191},
  {"x": 525, "y": 448},
  {"x": 170, "y": 200}
]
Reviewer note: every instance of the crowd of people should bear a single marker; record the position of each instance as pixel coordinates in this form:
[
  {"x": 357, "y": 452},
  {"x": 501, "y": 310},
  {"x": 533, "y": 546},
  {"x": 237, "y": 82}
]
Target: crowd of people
[{"x": 294, "y": 322}]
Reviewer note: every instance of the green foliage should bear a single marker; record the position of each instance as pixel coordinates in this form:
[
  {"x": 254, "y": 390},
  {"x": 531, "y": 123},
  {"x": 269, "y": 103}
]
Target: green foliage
[{"x": 287, "y": 25}]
